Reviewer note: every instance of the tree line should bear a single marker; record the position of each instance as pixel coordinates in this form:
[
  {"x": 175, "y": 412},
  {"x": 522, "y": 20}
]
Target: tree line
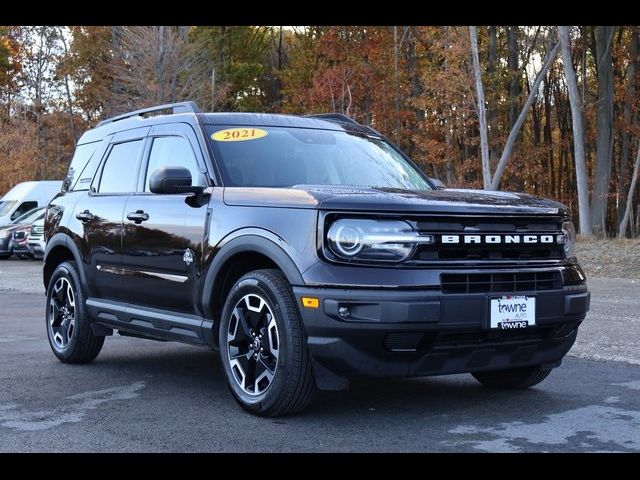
[{"x": 548, "y": 110}]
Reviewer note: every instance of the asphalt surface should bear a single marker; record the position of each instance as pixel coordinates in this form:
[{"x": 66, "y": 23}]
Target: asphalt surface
[{"x": 141, "y": 396}]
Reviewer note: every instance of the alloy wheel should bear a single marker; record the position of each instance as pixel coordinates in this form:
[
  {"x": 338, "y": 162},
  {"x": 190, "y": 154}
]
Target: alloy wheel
[
  {"x": 62, "y": 307},
  {"x": 253, "y": 344}
]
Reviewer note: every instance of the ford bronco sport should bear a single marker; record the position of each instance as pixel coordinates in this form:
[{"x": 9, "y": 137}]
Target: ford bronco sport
[{"x": 308, "y": 251}]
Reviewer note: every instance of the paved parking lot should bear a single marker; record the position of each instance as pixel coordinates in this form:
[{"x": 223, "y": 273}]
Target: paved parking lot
[{"x": 141, "y": 395}]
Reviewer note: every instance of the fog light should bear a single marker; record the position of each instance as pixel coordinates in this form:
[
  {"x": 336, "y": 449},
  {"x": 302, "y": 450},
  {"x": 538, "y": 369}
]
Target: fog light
[{"x": 343, "y": 312}]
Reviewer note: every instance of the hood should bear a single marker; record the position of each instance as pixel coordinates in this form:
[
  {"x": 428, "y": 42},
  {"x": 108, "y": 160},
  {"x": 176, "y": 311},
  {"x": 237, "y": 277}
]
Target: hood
[
  {"x": 329, "y": 197},
  {"x": 10, "y": 226}
]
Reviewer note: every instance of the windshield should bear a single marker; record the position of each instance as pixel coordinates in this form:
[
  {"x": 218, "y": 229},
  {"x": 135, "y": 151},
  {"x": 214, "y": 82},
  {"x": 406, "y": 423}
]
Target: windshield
[
  {"x": 284, "y": 157},
  {"x": 30, "y": 216},
  {"x": 6, "y": 206}
]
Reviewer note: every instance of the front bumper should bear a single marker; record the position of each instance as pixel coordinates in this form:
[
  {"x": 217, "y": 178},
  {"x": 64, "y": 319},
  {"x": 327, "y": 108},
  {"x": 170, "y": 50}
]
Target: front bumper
[
  {"x": 36, "y": 247},
  {"x": 406, "y": 333},
  {"x": 21, "y": 248}
]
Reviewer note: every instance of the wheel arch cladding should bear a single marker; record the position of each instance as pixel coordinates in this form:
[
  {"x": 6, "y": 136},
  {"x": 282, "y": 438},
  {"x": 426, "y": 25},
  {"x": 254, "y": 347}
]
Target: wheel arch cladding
[
  {"x": 60, "y": 250},
  {"x": 237, "y": 257}
]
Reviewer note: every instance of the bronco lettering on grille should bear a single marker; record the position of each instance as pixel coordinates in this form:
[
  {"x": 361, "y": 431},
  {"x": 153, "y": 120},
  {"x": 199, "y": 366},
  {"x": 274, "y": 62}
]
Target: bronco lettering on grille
[{"x": 500, "y": 239}]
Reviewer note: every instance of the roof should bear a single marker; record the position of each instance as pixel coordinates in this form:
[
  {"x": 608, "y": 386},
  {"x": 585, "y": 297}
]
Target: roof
[
  {"x": 21, "y": 189},
  {"x": 225, "y": 118},
  {"x": 281, "y": 120}
]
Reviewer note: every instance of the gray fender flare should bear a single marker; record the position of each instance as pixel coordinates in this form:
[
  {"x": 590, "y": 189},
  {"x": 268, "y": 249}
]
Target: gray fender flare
[
  {"x": 62, "y": 240},
  {"x": 264, "y": 243}
]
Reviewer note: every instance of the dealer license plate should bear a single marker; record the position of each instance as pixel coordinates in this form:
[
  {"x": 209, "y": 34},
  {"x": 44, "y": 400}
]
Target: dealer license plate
[{"x": 512, "y": 312}]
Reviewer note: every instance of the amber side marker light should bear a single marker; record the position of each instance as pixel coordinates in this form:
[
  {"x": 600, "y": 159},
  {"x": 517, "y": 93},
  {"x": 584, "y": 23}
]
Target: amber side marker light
[{"x": 310, "y": 302}]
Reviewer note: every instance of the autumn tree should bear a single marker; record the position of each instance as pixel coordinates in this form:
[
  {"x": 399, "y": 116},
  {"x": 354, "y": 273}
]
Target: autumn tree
[
  {"x": 414, "y": 84},
  {"x": 155, "y": 65},
  {"x": 10, "y": 66}
]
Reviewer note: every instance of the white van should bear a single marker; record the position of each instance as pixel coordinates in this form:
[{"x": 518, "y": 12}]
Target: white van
[{"x": 26, "y": 196}]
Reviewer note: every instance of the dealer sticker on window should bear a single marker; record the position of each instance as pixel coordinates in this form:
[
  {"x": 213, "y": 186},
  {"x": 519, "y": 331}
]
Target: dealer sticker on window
[
  {"x": 239, "y": 134},
  {"x": 511, "y": 312}
]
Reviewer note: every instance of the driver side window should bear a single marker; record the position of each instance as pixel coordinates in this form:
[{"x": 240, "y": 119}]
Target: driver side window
[{"x": 172, "y": 152}]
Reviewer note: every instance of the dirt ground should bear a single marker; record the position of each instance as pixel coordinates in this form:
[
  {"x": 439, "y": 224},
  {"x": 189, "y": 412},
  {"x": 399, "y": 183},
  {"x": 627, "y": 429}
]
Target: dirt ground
[{"x": 609, "y": 258}]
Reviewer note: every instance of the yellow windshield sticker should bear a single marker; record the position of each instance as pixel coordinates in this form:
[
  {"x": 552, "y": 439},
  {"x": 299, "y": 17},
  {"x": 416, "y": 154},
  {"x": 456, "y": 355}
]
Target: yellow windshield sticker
[{"x": 238, "y": 134}]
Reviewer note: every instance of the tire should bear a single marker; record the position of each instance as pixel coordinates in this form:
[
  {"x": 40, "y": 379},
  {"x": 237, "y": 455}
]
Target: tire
[
  {"x": 281, "y": 381},
  {"x": 67, "y": 320},
  {"x": 513, "y": 379}
]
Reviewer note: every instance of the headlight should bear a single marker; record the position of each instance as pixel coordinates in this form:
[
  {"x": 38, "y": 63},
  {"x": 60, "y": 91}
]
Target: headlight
[
  {"x": 373, "y": 240},
  {"x": 569, "y": 239}
]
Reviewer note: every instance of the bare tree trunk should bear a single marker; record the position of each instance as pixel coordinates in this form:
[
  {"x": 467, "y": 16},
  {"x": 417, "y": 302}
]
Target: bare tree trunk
[
  {"x": 578, "y": 132},
  {"x": 416, "y": 90},
  {"x": 448, "y": 119},
  {"x": 68, "y": 90},
  {"x": 546, "y": 133},
  {"x": 482, "y": 120},
  {"x": 396, "y": 94},
  {"x": 583, "y": 64},
  {"x": 492, "y": 58},
  {"x": 280, "y": 36},
  {"x": 492, "y": 54},
  {"x": 627, "y": 212},
  {"x": 604, "y": 144},
  {"x": 632, "y": 69},
  {"x": 513, "y": 135},
  {"x": 514, "y": 73}
]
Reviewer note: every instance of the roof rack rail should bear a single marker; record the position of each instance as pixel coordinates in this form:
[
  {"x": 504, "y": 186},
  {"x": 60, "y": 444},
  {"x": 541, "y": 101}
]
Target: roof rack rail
[
  {"x": 180, "y": 107},
  {"x": 334, "y": 116}
]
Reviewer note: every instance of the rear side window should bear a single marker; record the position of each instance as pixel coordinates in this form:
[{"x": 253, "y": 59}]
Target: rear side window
[
  {"x": 119, "y": 171},
  {"x": 79, "y": 161},
  {"x": 172, "y": 152},
  {"x": 23, "y": 208}
]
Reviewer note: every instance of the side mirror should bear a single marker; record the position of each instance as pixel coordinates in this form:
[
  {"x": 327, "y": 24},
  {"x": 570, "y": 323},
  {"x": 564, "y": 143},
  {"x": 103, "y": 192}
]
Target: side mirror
[
  {"x": 437, "y": 183},
  {"x": 172, "y": 180}
]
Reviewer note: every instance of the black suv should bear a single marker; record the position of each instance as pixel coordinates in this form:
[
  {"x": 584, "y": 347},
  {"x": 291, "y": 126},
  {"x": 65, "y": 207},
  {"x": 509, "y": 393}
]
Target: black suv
[{"x": 308, "y": 251}]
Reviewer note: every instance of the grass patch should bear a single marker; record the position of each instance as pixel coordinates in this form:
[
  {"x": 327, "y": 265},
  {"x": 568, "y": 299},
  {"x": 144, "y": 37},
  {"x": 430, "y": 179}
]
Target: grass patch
[{"x": 609, "y": 257}]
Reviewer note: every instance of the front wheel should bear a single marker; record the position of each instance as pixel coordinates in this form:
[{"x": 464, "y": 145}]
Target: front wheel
[
  {"x": 68, "y": 326},
  {"x": 263, "y": 346},
  {"x": 513, "y": 379}
]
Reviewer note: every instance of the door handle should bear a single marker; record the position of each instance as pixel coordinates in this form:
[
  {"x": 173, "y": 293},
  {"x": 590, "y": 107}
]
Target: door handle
[
  {"x": 85, "y": 216},
  {"x": 138, "y": 216}
]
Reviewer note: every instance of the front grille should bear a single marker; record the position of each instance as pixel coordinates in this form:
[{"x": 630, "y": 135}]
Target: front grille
[
  {"x": 428, "y": 253},
  {"x": 403, "y": 341},
  {"x": 37, "y": 230},
  {"x": 500, "y": 282},
  {"x": 485, "y": 338},
  {"x": 422, "y": 341},
  {"x": 488, "y": 226}
]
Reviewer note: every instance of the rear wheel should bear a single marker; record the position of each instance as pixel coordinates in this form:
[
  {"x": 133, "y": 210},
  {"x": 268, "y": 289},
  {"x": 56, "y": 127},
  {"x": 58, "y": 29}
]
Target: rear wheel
[
  {"x": 68, "y": 326},
  {"x": 513, "y": 379},
  {"x": 263, "y": 346}
]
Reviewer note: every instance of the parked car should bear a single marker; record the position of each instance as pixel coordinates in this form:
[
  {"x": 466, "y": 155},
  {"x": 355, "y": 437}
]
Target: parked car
[
  {"x": 6, "y": 231},
  {"x": 26, "y": 196},
  {"x": 35, "y": 241},
  {"x": 19, "y": 243},
  {"x": 307, "y": 251}
]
